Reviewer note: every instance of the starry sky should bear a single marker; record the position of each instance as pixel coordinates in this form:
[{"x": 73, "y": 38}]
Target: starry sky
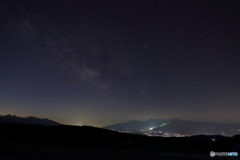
[{"x": 104, "y": 62}]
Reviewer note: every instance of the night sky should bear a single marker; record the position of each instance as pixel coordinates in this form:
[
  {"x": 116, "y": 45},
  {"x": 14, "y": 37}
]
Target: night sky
[{"x": 101, "y": 62}]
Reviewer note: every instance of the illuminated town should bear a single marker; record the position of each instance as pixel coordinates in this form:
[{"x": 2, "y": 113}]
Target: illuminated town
[{"x": 152, "y": 133}]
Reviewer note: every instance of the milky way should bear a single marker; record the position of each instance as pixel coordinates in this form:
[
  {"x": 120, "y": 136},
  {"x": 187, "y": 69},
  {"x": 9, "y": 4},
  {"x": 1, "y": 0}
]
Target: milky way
[{"x": 103, "y": 62}]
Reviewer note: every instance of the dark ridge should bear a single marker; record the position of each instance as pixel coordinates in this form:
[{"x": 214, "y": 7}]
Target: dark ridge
[
  {"x": 27, "y": 120},
  {"x": 65, "y": 135}
]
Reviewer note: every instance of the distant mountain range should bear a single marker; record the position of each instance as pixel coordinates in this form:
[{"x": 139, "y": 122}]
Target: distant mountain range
[
  {"x": 175, "y": 126},
  {"x": 178, "y": 126},
  {"x": 138, "y": 125},
  {"x": 27, "y": 120}
]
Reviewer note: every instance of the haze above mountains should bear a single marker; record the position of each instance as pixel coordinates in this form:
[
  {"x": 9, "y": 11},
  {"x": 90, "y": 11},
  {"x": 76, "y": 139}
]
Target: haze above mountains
[{"x": 176, "y": 126}]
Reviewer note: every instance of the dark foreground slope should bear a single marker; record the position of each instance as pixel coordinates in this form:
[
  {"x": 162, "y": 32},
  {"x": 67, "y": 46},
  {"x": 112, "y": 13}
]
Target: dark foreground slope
[{"x": 21, "y": 141}]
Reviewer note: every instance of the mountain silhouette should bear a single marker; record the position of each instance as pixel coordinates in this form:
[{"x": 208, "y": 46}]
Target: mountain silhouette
[
  {"x": 178, "y": 126},
  {"x": 138, "y": 125},
  {"x": 27, "y": 120},
  {"x": 185, "y": 127}
]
